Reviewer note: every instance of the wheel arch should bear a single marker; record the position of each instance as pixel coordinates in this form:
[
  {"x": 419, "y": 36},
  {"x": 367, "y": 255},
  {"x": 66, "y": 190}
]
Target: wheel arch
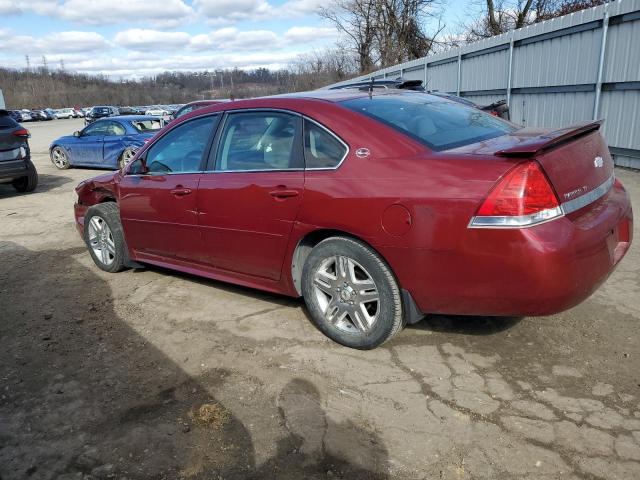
[
  {"x": 310, "y": 240},
  {"x": 411, "y": 311}
]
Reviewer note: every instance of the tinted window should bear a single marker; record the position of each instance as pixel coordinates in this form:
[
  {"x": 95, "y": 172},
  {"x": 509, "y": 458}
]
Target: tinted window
[
  {"x": 438, "y": 123},
  {"x": 100, "y": 111},
  {"x": 260, "y": 141},
  {"x": 321, "y": 148},
  {"x": 181, "y": 149},
  {"x": 184, "y": 111}
]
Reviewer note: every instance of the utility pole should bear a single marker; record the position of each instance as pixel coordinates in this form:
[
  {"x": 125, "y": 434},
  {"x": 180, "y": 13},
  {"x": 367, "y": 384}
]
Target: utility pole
[{"x": 26, "y": 57}]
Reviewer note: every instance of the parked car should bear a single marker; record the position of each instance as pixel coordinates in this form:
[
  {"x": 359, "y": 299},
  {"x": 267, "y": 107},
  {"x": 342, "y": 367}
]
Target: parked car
[
  {"x": 64, "y": 113},
  {"x": 128, "y": 111},
  {"x": 198, "y": 104},
  {"x": 100, "y": 112},
  {"x": 157, "y": 111},
  {"x": 498, "y": 108},
  {"x": 106, "y": 143},
  {"x": 376, "y": 207},
  {"x": 15, "y": 157},
  {"x": 41, "y": 115},
  {"x": 25, "y": 115},
  {"x": 78, "y": 113},
  {"x": 15, "y": 114}
]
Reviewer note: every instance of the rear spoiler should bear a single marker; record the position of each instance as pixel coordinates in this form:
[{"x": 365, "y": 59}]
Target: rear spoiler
[{"x": 536, "y": 144}]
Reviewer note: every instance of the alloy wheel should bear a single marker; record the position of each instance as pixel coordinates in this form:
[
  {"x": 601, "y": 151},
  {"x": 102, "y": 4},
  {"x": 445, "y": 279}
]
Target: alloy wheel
[
  {"x": 59, "y": 158},
  {"x": 101, "y": 240},
  {"x": 346, "y": 294}
]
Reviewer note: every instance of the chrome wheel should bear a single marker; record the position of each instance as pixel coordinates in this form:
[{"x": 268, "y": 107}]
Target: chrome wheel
[
  {"x": 101, "y": 240},
  {"x": 346, "y": 294},
  {"x": 59, "y": 158}
]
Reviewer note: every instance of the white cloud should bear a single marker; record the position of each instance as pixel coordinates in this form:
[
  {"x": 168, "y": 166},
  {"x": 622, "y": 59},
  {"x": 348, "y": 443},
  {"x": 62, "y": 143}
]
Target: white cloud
[
  {"x": 229, "y": 11},
  {"x": 143, "y": 39},
  {"x": 73, "y": 42},
  {"x": 309, "y": 34},
  {"x": 232, "y": 39},
  {"x": 166, "y": 14},
  {"x": 9, "y": 7}
]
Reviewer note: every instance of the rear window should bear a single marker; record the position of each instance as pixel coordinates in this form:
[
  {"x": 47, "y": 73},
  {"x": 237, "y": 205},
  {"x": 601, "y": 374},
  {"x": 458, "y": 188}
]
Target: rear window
[
  {"x": 144, "y": 126},
  {"x": 435, "y": 122},
  {"x": 101, "y": 110}
]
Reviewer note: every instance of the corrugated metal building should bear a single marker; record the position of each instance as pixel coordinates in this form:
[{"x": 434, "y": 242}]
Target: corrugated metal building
[{"x": 569, "y": 69}]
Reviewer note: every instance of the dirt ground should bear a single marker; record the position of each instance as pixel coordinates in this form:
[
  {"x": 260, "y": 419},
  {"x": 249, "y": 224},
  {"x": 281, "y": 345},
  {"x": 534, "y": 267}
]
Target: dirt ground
[{"x": 150, "y": 374}]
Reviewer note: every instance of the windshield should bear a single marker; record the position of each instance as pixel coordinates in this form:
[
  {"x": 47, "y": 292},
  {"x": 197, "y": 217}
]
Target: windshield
[
  {"x": 435, "y": 122},
  {"x": 144, "y": 126},
  {"x": 100, "y": 110}
]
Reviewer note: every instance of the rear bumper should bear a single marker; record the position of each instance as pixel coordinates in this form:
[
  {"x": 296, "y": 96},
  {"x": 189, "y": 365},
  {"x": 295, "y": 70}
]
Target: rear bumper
[
  {"x": 534, "y": 271},
  {"x": 10, "y": 169}
]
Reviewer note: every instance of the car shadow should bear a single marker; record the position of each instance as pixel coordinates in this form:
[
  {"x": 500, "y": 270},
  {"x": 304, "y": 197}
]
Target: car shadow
[
  {"x": 46, "y": 182},
  {"x": 85, "y": 395},
  {"x": 466, "y": 324}
]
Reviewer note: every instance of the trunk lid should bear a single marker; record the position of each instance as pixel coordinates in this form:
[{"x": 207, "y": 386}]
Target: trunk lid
[{"x": 575, "y": 159}]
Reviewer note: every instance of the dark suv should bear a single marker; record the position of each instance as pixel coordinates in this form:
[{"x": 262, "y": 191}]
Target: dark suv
[
  {"x": 99, "y": 112},
  {"x": 15, "y": 158}
]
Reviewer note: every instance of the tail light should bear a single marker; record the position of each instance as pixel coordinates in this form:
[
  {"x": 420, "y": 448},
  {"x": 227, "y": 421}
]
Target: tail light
[
  {"x": 22, "y": 133},
  {"x": 523, "y": 197}
]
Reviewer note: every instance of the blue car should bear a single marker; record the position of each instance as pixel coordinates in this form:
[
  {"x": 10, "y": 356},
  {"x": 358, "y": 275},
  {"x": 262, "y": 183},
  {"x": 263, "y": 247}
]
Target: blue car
[{"x": 107, "y": 143}]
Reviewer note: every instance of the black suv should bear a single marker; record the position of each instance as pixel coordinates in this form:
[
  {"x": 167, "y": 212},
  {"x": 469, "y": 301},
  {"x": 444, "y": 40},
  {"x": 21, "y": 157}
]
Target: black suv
[
  {"x": 15, "y": 158},
  {"x": 99, "y": 112}
]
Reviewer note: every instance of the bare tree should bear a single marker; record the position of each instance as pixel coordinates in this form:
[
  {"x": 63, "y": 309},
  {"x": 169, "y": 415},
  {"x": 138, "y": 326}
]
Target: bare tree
[
  {"x": 500, "y": 16},
  {"x": 385, "y": 32}
]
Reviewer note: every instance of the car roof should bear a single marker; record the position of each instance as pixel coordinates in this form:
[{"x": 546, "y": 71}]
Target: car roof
[{"x": 129, "y": 118}]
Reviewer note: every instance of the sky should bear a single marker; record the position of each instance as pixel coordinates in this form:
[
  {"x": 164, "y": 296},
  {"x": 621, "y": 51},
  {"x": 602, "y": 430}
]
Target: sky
[{"x": 134, "y": 38}]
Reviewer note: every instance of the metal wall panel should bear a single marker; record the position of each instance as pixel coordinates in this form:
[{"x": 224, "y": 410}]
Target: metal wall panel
[
  {"x": 621, "y": 111},
  {"x": 622, "y": 60},
  {"x": 442, "y": 77},
  {"x": 551, "y": 109},
  {"x": 484, "y": 99},
  {"x": 414, "y": 73},
  {"x": 485, "y": 72},
  {"x": 558, "y": 61}
]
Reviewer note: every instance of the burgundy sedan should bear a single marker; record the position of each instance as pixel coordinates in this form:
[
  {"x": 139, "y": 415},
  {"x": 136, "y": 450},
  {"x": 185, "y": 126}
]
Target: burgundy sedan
[{"x": 376, "y": 208}]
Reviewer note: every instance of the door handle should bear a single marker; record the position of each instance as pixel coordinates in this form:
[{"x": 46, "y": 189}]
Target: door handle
[
  {"x": 180, "y": 192},
  {"x": 284, "y": 193}
]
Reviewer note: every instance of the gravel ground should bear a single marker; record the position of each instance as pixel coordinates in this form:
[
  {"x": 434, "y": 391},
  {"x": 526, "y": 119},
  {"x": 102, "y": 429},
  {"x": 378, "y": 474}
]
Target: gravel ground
[{"x": 155, "y": 374}]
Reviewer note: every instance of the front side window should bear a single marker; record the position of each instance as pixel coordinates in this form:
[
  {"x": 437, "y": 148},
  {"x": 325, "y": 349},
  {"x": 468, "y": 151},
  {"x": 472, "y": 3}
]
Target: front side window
[
  {"x": 260, "y": 141},
  {"x": 181, "y": 149},
  {"x": 321, "y": 148},
  {"x": 439, "y": 124},
  {"x": 97, "y": 129}
]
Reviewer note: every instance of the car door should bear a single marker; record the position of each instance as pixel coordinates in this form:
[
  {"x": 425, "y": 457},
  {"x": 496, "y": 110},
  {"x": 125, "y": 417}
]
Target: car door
[
  {"x": 113, "y": 143},
  {"x": 86, "y": 149},
  {"x": 157, "y": 194},
  {"x": 250, "y": 197}
]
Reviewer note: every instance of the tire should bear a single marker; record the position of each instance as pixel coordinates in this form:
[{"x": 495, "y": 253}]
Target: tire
[
  {"x": 59, "y": 158},
  {"x": 107, "y": 247},
  {"x": 127, "y": 155},
  {"x": 28, "y": 183},
  {"x": 340, "y": 303}
]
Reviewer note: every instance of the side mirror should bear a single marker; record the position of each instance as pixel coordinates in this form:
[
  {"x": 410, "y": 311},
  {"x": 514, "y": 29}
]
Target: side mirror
[
  {"x": 76, "y": 133},
  {"x": 139, "y": 167}
]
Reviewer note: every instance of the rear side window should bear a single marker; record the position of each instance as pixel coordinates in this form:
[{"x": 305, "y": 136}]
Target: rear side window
[
  {"x": 435, "y": 122},
  {"x": 260, "y": 141},
  {"x": 321, "y": 148}
]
